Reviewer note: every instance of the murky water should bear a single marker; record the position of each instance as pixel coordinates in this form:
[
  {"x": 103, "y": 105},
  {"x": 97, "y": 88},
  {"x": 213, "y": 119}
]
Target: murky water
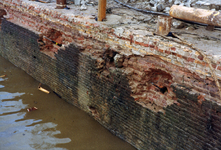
[{"x": 55, "y": 125}]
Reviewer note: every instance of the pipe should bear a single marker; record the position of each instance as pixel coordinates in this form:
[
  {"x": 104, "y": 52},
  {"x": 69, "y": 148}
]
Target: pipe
[
  {"x": 42, "y": 89},
  {"x": 60, "y": 4},
  {"x": 53, "y": 41},
  {"x": 101, "y": 10},
  {"x": 197, "y": 15},
  {"x": 2, "y": 76}
]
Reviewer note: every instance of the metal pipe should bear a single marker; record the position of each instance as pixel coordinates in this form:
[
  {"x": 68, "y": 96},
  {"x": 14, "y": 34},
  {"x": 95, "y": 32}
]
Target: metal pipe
[
  {"x": 60, "y": 4},
  {"x": 52, "y": 41},
  {"x": 101, "y": 10},
  {"x": 196, "y": 15}
]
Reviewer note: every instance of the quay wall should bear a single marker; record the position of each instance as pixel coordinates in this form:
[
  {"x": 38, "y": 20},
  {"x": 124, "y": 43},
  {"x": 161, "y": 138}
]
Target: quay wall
[{"x": 112, "y": 73}]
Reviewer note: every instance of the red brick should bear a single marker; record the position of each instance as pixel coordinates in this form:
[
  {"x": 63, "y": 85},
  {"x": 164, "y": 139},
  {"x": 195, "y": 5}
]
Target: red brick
[
  {"x": 219, "y": 68},
  {"x": 167, "y": 52},
  {"x": 135, "y": 42},
  {"x": 136, "y": 99},
  {"x": 200, "y": 62},
  {"x": 214, "y": 66},
  {"x": 190, "y": 59},
  {"x": 37, "y": 11},
  {"x": 160, "y": 50},
  {"x": 151, "y": 46},
  {"x": 81, "y": 38},
  {"x": 173, "y": 53},
  {"x": 178, "y": 55},
  {"x": 200, "y": 57},
  {"x": 144, "y": 44},
  {"x": 173, "y": 48},
  {"x": 184, "y": 57}
]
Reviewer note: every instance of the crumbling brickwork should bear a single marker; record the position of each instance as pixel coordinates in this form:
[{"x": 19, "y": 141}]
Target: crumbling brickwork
[{"x": 144, "y": 89}]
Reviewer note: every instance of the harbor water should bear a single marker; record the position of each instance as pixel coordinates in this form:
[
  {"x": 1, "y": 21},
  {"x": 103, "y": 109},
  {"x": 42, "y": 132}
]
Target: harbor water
[{"x": 55, "y": 125}]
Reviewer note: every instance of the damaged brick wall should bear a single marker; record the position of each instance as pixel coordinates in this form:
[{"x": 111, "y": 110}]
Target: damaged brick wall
[
  {"x": 151, "y": 101},
  {"x": 109, "y": 93}
]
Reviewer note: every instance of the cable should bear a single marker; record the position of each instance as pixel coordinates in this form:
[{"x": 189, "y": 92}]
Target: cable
[
  {"x": 159, "y": 13},
  {"x": 141, "y": 10}
]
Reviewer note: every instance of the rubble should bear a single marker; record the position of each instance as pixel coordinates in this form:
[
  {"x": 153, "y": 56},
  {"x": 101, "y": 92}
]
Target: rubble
[
  {"x": 118, "y": 60},
  {"x": 31, "y": 109},
  {"x": 178, "y": 24},
  {"x": 83, "y": 4}
]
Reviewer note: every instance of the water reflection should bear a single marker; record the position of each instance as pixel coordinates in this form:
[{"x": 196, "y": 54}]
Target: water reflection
[
  {"x": 55, "y": 125},
  {"x": 22, "y": 134}
]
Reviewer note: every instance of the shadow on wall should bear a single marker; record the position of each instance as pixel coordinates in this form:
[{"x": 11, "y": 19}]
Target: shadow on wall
[
  {"x": 67, "y": 68},
  {"x": 49, "y": 42},
  {"x": 2, "y": 13}
]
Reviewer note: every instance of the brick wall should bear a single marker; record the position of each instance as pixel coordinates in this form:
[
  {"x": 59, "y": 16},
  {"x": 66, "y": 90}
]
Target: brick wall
[{"x": 119, "y": 78}]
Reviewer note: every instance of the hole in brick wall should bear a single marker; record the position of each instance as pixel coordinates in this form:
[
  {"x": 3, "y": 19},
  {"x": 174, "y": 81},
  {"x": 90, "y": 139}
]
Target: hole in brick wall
[
  {"x": 50, "y": 42},
  {"x": 154, "y": 89},
  {"x": 108, "y": 55},
  {"x": 2, "y": 13},
  {"x": 93, "y": 110},
  {"x": 34, "y": 57},
  {"x": 163, "y": 89}
]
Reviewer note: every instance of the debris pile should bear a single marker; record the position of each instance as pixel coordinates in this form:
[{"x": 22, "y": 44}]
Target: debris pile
[{"x": 31, "y": 109}]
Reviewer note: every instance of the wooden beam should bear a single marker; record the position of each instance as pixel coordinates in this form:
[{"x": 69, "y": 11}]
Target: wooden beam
[
  {"x": 209, "y": 17},
  {"x": 101, "y": 10}
]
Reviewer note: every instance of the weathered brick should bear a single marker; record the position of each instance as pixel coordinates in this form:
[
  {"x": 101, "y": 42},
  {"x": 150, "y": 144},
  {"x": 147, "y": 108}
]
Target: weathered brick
[{"x": 182, "y": 123}]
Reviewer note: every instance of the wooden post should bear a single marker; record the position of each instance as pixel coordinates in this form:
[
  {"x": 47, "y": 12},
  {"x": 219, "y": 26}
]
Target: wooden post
[
  {"x": 164, "y": 25},
  {"x": 101, "y": 10}
]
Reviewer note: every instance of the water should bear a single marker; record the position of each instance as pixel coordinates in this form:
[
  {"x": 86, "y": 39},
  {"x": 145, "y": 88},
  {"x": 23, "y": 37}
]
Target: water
[{"x": 55, "y": 125}]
